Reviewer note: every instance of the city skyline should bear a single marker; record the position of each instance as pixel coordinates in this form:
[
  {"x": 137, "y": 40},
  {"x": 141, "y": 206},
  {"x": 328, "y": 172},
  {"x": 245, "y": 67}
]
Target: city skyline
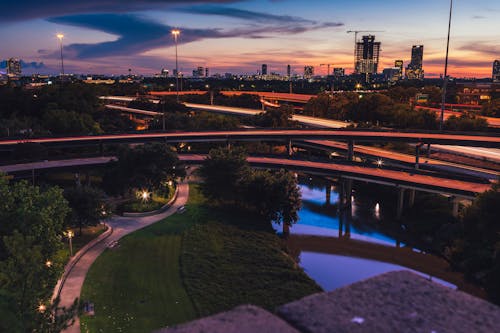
[{"x": 240, "y": 36}]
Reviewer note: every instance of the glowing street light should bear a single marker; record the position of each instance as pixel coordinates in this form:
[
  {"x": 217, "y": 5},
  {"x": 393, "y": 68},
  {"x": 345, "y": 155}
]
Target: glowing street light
[
  {"x": 143, "y": 195},
  {"x": 175, "y": 34},
  {"x": 48, "y": 263},
  {"x": 70, "y": 236},
  {"x": 60, "y": 37},
  {"x": 42, "y": 308},
  {"x": 380, "y": 163}
]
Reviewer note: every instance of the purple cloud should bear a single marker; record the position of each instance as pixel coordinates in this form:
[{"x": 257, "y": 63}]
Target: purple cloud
[
  {"x": 33, "y": 9},
  {"x": 137, "y": 34}
]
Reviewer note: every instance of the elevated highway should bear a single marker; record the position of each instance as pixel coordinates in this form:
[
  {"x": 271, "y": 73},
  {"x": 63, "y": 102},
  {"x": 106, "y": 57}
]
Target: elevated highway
[
  {"x": 273, "y": 135},
  {"x": 400, "y": 179}
]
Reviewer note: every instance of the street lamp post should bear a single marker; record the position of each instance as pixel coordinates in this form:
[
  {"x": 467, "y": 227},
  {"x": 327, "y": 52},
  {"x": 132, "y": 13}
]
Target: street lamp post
[
  {"x": 445, "y": 83},
  {"x": 70, "y": 235},
  {"x": 175, "y": 34},
  {"x": 60, "y": 37}
]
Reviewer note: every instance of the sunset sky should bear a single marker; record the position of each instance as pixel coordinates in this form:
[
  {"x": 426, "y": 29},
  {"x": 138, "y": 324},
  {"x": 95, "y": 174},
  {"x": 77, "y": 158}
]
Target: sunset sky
[{"x": 110, "y": 36}]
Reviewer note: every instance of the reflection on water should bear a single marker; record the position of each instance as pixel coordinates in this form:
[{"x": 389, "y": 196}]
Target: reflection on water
[
  {"x": 332, "y": 271},
  {"x": 319, "y": 216}
]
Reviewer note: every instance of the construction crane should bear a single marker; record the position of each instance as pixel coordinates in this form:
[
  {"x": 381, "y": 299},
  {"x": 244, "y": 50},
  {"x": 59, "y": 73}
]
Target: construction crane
[
  {"x": 328, "y": 67},
  {"x": 356, "y": 39}
]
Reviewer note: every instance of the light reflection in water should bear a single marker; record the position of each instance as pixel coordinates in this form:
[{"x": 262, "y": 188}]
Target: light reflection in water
[{"x": 317, "y": 217}]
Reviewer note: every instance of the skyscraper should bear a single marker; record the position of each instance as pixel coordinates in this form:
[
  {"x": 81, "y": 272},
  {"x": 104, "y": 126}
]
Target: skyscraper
[
  {"x": 13, "y": 67},
  {"x": 338, "y": 72},
  {"x": 414, "y": 70},
  {"x": 308, "y": 72},
  {"x": 289, "y": 71},
  {"x": 367, "y": 55},
  {"x": 264, "y": 69},
  {"x": 399, "y": 64},
  {"x": 496, "y": 71}
]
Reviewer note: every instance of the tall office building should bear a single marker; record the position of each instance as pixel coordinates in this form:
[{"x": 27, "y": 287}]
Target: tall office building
[
  {"x": 207, "y": 72},
  {"x": 264, "y": 69},
  {"x": 367, "y": 55},
  {"x": 399, "y": 64},
  {"x": 414, "y": 69},
  {"x": 13, "y": 67},
  {"x": 198, "y": 72},
  {"x": 308, "y": 72},
  {"x": 496, "y": 71},
  {"x": 289, "y": 71},
  {"x": 338, "y": 72}
]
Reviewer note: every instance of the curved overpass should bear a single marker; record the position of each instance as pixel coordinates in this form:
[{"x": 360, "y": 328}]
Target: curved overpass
[
  {"x": 273, "y": 135},
  {"x": 399, "y": 179}
]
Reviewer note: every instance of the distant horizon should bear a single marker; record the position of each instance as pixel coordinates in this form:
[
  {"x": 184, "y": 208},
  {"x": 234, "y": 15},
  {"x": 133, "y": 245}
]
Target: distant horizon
[{"x": 238, "y": 36}]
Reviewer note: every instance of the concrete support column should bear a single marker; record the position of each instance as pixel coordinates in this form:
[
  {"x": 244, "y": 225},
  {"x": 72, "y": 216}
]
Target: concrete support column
[
  {"x": 341, "y": 224},
  {"x": 417, "y": 156},
  {"x": 328, "y": 195},
  {"x": 400, "y": 205},
  {"x": 348, "y": 192},
  {"x": 411, "y": 199},
  {"x": 289, "y": 148},
  {"x": 428, "y": 150},
  {"x": 286, "y": 229},
  {"x": 211, "y": 97},
  {"x": 455, "y": 204},
  {"x": 350, "y": 150},
  {"x": 228, "y": 145},
  {"x": 340, "y": 189}
]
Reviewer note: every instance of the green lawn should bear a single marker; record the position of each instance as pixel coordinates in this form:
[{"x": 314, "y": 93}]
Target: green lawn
[{"x": 192, "y": 264}]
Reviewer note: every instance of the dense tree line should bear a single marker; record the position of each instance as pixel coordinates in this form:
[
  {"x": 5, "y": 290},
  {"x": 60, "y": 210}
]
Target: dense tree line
[
  {"x": 228, "y": 179},
  {"x": 475, "y": 249},
  {"x": 32, "y": 221},
  {"x": 387, "y": 110},
  {"x": 58, "y": 109}
]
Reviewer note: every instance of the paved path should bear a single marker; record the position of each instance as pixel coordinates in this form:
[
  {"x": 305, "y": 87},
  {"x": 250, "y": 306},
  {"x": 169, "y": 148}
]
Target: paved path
[{"x": 121, "y": 227}]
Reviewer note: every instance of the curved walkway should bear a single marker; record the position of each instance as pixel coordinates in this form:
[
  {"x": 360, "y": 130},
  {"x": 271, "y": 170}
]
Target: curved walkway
[{"x": 122, "y": 226}]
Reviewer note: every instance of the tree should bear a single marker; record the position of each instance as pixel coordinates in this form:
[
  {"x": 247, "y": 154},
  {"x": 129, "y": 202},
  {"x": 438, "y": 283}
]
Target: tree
[
  {"x": 33, "y": 212},
  {"x": 147, "y": 166},
  {"x": 222, "y": 172},
  {"x": 281, "y": 117},
  {"x": 478, "y": 251},
  {"x": 87, "y": 205},
  {"x": 274, "y": 195}
]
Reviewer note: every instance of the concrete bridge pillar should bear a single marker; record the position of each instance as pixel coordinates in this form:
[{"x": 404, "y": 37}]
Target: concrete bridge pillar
[
  {"x": 350, "y": 150},
  {"x": 286, "y": 229},
  {"x": 289, "y": 148},
  {"x": 400, "y": 205},
  {"x": 348, "y": 192},
  {"x": 428, "y": 150},
  {"x": 411, "y": 199},
  {"x": 455, "y": 204},
  {"x": 340, "y": 189},
  {"x": 417, "y": 156},
  {"x": 328, "y": 194},
  {"x": 228, "y": 145}
]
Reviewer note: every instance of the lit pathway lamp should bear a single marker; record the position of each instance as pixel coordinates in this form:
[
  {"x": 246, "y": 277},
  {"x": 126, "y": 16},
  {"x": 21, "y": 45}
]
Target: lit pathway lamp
[
  {"x": 70, "y": 236},
  {"x": 175, "y": 34},
  {"x": 60, "y": 37}
]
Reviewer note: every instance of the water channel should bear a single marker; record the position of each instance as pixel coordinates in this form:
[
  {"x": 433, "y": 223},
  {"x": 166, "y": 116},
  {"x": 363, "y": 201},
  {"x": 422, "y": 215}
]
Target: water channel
[{"x": 338, "y": 249}]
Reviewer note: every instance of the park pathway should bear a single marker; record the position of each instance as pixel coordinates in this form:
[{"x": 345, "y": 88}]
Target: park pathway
[{"x": 122, "y": 226}]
